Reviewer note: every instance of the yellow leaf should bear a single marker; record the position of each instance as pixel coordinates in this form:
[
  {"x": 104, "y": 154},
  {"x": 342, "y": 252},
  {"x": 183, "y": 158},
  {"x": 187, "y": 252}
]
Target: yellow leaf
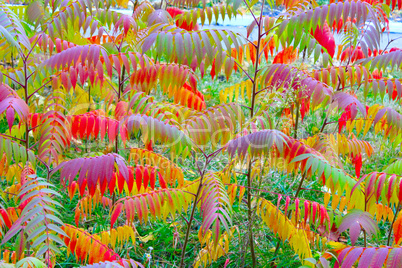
[
  {"x": 147, "y": 238},
  {"x": 335, "y": 201},
  {"x": 359, "y": 125},
  {"x": 327, "y": 196}
]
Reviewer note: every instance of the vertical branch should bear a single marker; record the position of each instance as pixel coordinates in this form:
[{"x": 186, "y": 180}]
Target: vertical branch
[
  {"x": 252, "y": 111},
  {"x": 297, "y": 119},
  {"x": 250, "y": 216},
  {"x": 27, "y": 102},
  {"x": 202, "y": 173},
  {"x": 392, "y": 224},
  {"x": 119, "y": 91},
  {"x": 121, "y": 82}
]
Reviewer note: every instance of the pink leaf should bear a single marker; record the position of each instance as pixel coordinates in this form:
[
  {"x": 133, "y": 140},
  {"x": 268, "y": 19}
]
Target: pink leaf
[
  {"x": 287, "y": 204},
  {"x": 226, "y": 263},
  {"x": 10, "y": 114}
]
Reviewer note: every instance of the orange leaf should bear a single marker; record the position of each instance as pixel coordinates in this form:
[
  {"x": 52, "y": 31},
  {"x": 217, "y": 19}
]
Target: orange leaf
[{"x": 398, "y": 229}]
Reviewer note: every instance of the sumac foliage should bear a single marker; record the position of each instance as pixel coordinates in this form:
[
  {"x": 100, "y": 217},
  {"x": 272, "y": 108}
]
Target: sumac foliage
[{"x": 144, "y": 134}]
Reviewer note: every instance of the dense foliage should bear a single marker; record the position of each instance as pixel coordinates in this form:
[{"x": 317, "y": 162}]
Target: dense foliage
[{"x": 145, "y": 140}]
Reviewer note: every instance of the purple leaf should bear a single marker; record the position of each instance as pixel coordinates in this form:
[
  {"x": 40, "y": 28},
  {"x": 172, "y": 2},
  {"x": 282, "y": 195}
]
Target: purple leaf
[
  {"x": 379, "y": 258},
  {"x": 351, "y": 257},
  {"x": 355, "y": 221},
  {"x": 149, "y": 42},
  {"x": 95, "y": 169},
  {"x": 366, "y": 257},
  {"x": 394, "y": 258},
  {"x": 354, "y": 230}
]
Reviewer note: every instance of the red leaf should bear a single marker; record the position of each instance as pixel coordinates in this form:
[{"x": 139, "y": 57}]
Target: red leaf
[
  {"x": 90, "y": 125},
  {"x": 400, "y": 191},
  {"x": 213, "y": 70},
  {"x": 34, "y": 121},
  {"x": 130, "y": 182},
  {"x": 152, "y": 178},
  {"x": 358, "y": 164},
  {"x": 112, "y": 184},
  {"x": 115, "y": 214},
  {"x": 325, "y": 38},
  {"x": 148, "y": 146},
  {"x": 83, "y": 126},
  {"x": 357, "y": 54},
  {"x": 162, "y": 181},
  {"x": 138, "y": 177},
  {"x": 174, "y": 11},
  {"x": 103, "y": 186},
  {"x": 6, "y": 218},
  {"x": 96, "y": 126},
  {"x": 82, "y": 187},
  {"x": 120, "y": 182},
  {"x": 75, "y": 126},
  {"x": 145, "y": 176}
]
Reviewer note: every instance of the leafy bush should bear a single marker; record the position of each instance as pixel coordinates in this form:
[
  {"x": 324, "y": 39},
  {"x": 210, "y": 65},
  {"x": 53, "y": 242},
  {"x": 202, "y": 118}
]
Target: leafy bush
[{"x": 122, "y": 144}]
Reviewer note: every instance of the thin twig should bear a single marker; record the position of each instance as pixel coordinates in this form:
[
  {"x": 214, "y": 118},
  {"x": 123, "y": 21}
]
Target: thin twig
[
  {"x": 36, "y": 90},
  {"x": 15, "y": 81},
  {"x": 8, "y": 136},
  {"x": 392, "y": 224},
  {"x": 246, "y": 73},
  {"x": 252, "y": 13}
]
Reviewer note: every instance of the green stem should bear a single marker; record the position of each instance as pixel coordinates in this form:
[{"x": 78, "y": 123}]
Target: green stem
[{"x": 250, "y": 216}]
